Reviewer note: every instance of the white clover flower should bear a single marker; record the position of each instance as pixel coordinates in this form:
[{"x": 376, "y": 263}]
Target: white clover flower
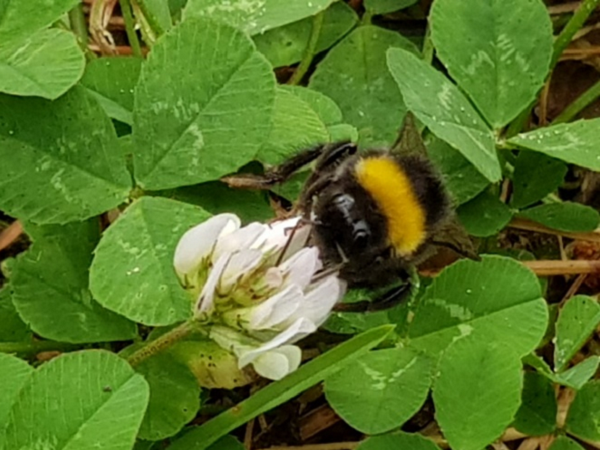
[{"x": 254, "y": 289}]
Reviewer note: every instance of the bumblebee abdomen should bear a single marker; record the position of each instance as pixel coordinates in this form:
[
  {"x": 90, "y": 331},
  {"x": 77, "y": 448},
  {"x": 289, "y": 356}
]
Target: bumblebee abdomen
[{"x": 408, "y": 194}]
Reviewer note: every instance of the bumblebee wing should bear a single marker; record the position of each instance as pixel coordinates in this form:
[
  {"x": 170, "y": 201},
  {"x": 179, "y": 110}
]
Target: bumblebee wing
[
  {"x": 454, "y": 236},
  {"x": 409, "y": 141}
]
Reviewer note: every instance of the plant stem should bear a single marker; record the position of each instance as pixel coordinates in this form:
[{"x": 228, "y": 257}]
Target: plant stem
[
  {"x": 561, "y": 42},
  {"x": 79, "y": 27},
  {"x": 309, "y": 52},
  {"x": 33, "y": 347},
  {"x": 517, "y": 125},
  {"x": 428, "y": 49},
  {"x": 575, "y": 23},
  {"x": 152, "y": 22},
  {"x": 130, "y": 28},
  {"x": 366, "y": 18},
  {"x": 166, "y": 340},
  {"x": 578, "y": 104}
]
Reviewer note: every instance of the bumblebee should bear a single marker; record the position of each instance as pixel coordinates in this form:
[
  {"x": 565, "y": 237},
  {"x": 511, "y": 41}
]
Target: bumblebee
[{"x": 373, "y": 214}]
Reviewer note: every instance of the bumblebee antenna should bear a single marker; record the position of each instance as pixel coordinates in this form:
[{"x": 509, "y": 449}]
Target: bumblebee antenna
[
  {"x": 301, "y": 221},
  {"x": 333, "y": 269}
]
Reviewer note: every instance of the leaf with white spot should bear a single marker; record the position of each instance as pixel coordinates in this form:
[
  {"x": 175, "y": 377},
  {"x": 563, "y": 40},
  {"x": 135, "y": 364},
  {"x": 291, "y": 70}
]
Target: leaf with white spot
[
  {"x": 365, "y": 394},
  {"x": 496, "y": 300},
  {"x": 354, "y": 74},
  {"x": 477, "y": 392},
  {"x": 82, "y": 400},
  {"x": 578, "y": 319},
  {"x": 45, "y": 64},
  {"x": 254, "y": 16},
  {"x": 480, "y": 43},
  {"x": 575, "y": 142},
  {"x": 132, "y": 272},
  {"x": 60, "y": 160},
  {"x": 203, "y": 105},
  {"x": 444, "y": 109},
  {"x": 50, "y": 284}
]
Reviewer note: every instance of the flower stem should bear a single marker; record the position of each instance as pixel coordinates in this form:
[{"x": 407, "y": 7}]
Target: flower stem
[
  {"x": 130, "y": 28},
  {"x": 166, "y": 340},
  {"x": 578, "y": 104},
  {"x": 573, "y": 25},
  {"x": 309, "y": 52}
]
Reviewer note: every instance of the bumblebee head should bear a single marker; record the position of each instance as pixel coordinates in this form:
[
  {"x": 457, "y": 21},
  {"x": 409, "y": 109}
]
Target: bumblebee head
[{"x": 346, "y": 224}]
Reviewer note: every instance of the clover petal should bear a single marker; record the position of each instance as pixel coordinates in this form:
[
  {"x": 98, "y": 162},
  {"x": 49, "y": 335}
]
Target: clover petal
[
  {"x": 287, "y": 234},
  {"x": 240, "y": 264},
  {"x": 277, "y": 363},
  {"x": 206, "y": 298},
  {"x": 299, "y": 329},
  {"x": 240, "y": 239},
  {"x": 198, "y": 242},
  {"x": 276, "y": 309},
  {"x": 320, "y": 300},
  {"x": 301, "y": 267}
]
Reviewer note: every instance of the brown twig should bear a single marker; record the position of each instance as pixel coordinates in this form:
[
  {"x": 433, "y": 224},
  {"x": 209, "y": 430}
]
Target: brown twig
[
  {"x": 546, "y": 441},
  {"x": 544, "y": 101},
  {"x": 100, "y": 14},
  {"x": 565, "y": 398},
  {"x": 585, "y": 51},
  {"x": 528, "y": 225},
  {"x": 499, "y": 446},
  {"x": 564, "y": 8},
  {"x": 529, "y": 444},
  {"x": 574, "y": 288},
  {"x": 10, "y": 234},
  {"x": 317, "y": 420},
  {"x": 561, "y": 247},
  {"x": 248, "y": 435},
  {"x": 117, "y": 50},
  {"x": 512, "y": 434},
  {"x": 331, "y": 446},
  {"x": 546, "y": 268}
]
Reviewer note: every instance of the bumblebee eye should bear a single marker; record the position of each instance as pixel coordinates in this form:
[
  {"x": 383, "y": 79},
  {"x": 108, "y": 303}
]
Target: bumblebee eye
[
  {"x": 360, "y": 235},
  {"x": 360, "y": 239}
]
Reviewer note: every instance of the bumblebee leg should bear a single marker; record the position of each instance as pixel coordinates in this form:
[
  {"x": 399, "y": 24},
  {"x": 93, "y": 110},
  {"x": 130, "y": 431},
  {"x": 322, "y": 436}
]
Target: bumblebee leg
[
  {"x": 322, "y": 176},
  {"x": 388, "y": 300},
  {"x": 333, "y": 154},
  {"x": 275, "y": 175}
]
